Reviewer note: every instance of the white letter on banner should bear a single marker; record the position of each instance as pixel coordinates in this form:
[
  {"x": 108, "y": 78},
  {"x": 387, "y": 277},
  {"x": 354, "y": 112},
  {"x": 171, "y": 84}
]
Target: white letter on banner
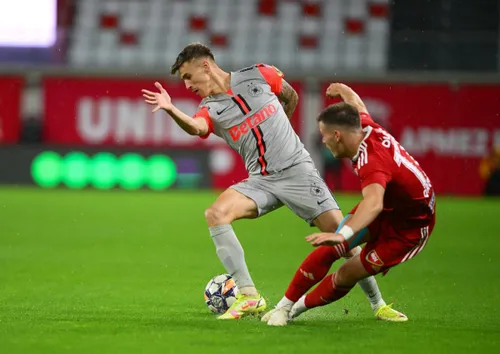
[
  {"x": 130, "y": 121},
  {"x": 93, "y": 130}
]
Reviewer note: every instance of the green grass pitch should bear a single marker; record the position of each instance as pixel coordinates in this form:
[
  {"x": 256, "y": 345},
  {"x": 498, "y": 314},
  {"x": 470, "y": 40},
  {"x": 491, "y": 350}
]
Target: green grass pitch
[{"x": 119, "y": 272}]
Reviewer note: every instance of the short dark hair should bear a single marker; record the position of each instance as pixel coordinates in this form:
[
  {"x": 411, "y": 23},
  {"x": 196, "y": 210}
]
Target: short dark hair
[
  {"x": 190, "y": 52},
  {"x": 342, "y": 114}
]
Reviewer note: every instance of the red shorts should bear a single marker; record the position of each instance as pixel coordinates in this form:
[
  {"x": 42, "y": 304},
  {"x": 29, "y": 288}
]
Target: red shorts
[{"x": 389, "y": 247}]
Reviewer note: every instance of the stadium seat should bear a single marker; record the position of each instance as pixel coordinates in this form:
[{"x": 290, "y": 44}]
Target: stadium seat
[{"x": 294, "y": 35}]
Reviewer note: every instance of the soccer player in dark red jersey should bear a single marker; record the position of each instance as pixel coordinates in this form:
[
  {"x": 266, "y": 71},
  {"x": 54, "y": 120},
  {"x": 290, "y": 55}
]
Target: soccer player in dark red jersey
[{"x": 395, "y": 217}]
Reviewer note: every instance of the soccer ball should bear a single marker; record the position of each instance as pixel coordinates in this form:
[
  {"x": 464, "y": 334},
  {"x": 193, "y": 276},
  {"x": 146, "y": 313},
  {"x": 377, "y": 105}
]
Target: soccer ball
[{"x": 220, "y": 293}]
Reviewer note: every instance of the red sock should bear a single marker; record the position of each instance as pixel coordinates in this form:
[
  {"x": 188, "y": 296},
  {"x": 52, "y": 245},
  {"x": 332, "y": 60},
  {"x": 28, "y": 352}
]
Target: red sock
[
  {"x": 325, "y": 293},
  {"x": 313, "y": 269}
]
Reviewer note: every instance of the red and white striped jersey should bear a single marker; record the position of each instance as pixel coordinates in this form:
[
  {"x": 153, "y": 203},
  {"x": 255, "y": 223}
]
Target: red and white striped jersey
[{"x": 409, "y": 196}]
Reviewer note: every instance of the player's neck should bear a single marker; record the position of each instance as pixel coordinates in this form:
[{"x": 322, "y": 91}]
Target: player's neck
[
  {"x": 221, "y": 81},
  {"x": 357, "y": 139}
]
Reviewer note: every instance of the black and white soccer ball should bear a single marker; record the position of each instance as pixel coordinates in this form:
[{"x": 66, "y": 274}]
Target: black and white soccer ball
[{"x": 220, "y": 293}]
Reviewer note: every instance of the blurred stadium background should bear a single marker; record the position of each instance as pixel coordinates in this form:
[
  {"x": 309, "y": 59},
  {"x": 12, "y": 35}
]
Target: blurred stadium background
[
  {"x": 72, "y": 117},
  {"x": 428, "y": 71}
]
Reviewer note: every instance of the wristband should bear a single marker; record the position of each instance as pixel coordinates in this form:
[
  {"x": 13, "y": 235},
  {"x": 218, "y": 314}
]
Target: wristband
[{"x": 346, "y": 231}]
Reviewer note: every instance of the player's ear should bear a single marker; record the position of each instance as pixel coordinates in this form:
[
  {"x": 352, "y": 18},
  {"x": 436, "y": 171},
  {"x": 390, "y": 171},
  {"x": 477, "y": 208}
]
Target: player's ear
[
  {"x": 337, "y": 135},
  {"x": 206, "y": 66}
]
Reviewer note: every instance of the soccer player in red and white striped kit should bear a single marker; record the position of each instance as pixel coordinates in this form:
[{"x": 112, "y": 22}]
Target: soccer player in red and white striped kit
[{"x": 395, "y": 217}]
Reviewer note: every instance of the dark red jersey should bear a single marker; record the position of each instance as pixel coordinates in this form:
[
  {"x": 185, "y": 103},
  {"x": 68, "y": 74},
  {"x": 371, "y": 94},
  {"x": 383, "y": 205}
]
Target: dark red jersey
[{"x": 409, "y": 199}]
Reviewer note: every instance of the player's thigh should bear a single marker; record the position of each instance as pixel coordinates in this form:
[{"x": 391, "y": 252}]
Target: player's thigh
[
  {"x": 329, "y": 221},
  {"x": 257, "y": 190},
  {"x": 229, "y": 206},
  {"x": 391, "y": 247},
  {"x": 303, "y": 191}
]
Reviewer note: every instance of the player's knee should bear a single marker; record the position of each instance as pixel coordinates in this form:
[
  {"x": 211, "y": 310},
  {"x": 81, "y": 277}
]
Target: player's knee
[
  {"x": 347, "y": 276},
  {"x": 342, "y": 277},
  {"x": 217, "y": 215}
]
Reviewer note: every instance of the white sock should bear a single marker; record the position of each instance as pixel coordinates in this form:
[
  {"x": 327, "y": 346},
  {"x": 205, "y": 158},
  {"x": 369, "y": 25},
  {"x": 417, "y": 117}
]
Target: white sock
[
  {"x": 372, "y": 292},
  {"x": 231, "y": 254},
  {"x": 285, "y": 302},
  {"x": 248, "y": 290},
  {"x": 299, "y": 307}
]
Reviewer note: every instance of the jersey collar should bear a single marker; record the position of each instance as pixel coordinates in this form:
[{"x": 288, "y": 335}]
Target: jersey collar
[
  {"x": 228, "y": 92},
  {"x": 367, "y": 130}
]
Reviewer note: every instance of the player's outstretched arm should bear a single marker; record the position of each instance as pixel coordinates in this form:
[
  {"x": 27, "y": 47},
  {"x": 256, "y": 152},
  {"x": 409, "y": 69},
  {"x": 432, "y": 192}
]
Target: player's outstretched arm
[
  {"x": 162, "y": 100},
  {"x": 347, "y": 94},
  {"x": 289, "y": 98},
  {"x": 368, "y": 209}
]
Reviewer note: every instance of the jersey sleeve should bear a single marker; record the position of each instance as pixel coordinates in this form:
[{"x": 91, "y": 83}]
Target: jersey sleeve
[
  {"x": 372, "y": 169},
  {"x": 273, "y": 76},
  {"x": 203, "y": 113}
]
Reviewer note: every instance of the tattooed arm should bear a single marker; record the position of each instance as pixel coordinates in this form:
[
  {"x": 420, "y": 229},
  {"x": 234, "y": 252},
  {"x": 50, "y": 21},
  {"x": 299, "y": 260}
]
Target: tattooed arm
[{"x": 289, "y": 99}]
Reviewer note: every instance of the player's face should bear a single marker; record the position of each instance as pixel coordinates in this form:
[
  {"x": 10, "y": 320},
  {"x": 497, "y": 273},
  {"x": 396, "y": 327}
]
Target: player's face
[
  {"x": 332, "y": 139},
  {"x": 195, "y": 75}
]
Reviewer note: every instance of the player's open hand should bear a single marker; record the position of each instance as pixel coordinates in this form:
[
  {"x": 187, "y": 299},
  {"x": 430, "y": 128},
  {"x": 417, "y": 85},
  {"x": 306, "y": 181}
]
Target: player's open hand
[
  {"x": 160, "y": 99},
  {"x": 335, "y": 90},
  {"x": 325, "y": 239}
]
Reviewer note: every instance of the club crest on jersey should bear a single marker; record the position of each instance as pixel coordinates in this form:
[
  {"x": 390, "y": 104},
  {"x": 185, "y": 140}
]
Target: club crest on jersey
[
  {"x": 317, "y": 191},
  {"x": 373, "y": 258},
  {"x": 254, "y": 90},
  {"x": 251, "y": 122}
]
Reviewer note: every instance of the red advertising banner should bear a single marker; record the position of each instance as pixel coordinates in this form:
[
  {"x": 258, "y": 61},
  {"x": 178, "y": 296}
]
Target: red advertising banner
[
  {"x": 112, "y": 112},
  {"x": 447, "y": 129},
  {"x": 10, "y": 109}
]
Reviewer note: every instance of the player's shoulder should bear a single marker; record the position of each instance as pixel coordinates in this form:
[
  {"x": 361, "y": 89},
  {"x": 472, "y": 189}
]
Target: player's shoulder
[
  {"x": 367, "y": 120},
  {"x": 374, "y": 137},
  {"x": 267, "y": 69},
  {"x": 255, "y": 66},
  {"x": 211, "y": 104},
  {"x": 261, "y": 69},
  {"x": 372, "y": 149},
  {"x": 251, "y": 72},
  {"x": 205, "y": 102}
]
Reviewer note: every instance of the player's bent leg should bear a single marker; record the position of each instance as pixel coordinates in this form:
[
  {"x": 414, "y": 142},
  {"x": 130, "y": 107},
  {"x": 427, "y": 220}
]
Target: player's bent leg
[
  {"x": 332, "y": 288},
  {"x": 368, "y": 285},
  {"x": 232, "y": 205},
  {"x": 314, "y": 268},
  {"x": 317, "y": 263},
  {"x": 310, "y": 272}
]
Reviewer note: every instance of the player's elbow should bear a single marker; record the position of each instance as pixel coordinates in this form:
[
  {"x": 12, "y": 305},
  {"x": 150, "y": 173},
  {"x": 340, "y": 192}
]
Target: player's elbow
[
  {"x": 194, "y": 131},
  {"x": 199, "y": 128},
  {"x": 377, "y": 206},
  {"x": 201, "y": 132}
]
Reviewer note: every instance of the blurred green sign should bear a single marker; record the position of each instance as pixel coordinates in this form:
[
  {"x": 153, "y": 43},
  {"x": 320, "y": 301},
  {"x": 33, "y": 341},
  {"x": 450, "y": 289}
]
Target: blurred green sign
[{"x": 103, "y": 170}]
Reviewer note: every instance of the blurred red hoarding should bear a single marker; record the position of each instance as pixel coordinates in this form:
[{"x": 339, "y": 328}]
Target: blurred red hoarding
[
  {"x": 447, "y": 129},
  {"x": 10, "y": 109}
]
